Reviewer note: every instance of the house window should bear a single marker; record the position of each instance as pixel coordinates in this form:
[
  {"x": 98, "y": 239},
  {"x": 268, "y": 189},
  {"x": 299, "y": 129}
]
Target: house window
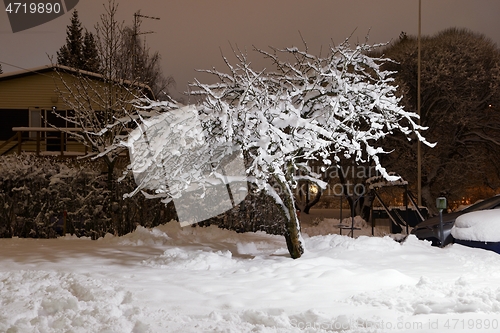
[
  {"x": 12, "y": 118},
  {"x": 55, "y": 118}
]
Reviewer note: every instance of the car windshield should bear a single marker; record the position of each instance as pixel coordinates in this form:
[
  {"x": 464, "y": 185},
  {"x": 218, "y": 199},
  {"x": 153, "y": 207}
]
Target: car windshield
[{"x": 485, "y": 204}]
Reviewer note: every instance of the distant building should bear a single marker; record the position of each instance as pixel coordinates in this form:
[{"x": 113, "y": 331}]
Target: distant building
[{"x": 30, "y": 99}]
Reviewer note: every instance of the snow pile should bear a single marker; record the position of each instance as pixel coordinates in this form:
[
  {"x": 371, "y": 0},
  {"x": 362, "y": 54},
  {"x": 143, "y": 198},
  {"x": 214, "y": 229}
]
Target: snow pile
[
  {"x": 481, "y": 226},
  {"x": 433, "y": 296},
  {"x": 49, "y": 301},
  {"x": 141, "y": 236},
  {"x": 177, "y": 258}
]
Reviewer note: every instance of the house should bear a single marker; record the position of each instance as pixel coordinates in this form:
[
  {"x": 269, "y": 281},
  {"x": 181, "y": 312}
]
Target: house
[{"x": 31, "y": 100}]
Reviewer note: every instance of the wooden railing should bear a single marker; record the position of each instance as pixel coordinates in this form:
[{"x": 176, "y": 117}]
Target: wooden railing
[
  {"x": 6, "y": 143},
  {"x": 47, "y": 141}
]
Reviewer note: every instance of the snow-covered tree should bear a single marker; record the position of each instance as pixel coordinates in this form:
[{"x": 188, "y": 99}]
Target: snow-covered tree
[{"x": 311, "y": 108}]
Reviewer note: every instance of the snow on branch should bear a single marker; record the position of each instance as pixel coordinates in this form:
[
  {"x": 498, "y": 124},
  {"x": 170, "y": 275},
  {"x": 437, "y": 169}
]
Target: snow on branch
[
  {"x": 339, "y": 105},
  {"x": 315, "y": 108}
]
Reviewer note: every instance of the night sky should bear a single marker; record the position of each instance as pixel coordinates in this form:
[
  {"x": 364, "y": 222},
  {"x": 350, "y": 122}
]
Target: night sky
[{"x": 191, "y": 34}]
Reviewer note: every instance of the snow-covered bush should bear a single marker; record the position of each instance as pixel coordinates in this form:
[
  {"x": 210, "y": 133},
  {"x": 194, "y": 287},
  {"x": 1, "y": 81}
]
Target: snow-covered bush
[{"x": 36, "y": 193}]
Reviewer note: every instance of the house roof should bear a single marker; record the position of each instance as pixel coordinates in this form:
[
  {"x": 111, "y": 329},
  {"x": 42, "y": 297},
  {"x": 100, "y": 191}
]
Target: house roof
[{"x": 41, "y": 70}]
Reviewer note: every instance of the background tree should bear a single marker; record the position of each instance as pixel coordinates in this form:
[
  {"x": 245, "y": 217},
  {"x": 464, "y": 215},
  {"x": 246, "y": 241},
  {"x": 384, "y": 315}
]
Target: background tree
[
  {"x": 347, "y": 178},
  {"x": 1, "y": 70},
  {"x": 80, "y": 49},
  {"x": 90, "y": 54},
  {"x": 131, "y": 57},
  {"x": 460, "y": 91},
  {"x": 70, "y": 54},
  {"x": 312, "y": 108},
  {"x": 145, "y": 65},
  {"x": 102, "y": 110}
]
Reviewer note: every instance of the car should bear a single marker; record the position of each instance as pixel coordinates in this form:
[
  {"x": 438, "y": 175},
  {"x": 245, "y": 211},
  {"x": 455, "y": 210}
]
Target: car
[
  {"x": 429, "y": 229},
  {"x": 480, "y": 229}
]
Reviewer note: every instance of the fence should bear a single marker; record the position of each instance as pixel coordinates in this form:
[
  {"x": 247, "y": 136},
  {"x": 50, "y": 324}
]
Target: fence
[{"x": 43, "y": 141}]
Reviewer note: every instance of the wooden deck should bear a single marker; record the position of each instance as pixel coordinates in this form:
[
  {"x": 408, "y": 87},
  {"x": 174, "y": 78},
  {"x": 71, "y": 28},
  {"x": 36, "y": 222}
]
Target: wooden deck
[{"x": 43, "y": 141}]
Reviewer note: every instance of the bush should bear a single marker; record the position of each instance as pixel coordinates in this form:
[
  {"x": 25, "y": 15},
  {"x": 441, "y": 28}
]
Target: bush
[
  {"x": 43, "y": 197},
  {"x": 258, "y": 212},
  {"x": 39, "y": 194}
]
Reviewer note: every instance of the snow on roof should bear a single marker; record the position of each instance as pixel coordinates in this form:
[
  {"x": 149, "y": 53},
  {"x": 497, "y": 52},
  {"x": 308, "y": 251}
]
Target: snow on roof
[
  {"x": 380, "y": 181},
  {"x": 50, "y": 68}
]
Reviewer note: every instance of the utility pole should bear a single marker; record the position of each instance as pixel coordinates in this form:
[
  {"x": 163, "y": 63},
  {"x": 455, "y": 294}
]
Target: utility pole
[
  {"x": 419, "y": 148},
  {"x": 136, "y": 32}
]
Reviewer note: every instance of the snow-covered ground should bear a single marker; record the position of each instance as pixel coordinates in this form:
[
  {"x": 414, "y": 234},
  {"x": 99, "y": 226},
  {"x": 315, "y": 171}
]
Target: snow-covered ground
[{"x": 172, "y": 279}]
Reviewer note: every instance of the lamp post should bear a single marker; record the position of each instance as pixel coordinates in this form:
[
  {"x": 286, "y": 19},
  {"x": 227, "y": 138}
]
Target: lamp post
[{"x": 419, "y": 149}]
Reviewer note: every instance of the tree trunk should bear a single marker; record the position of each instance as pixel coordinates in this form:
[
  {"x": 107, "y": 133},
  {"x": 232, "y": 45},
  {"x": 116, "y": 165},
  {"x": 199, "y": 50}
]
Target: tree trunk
[
  {"x": 292, "y": 228},
  {"x": 428, "y": 200},
  {"x": 365, "y": 206},
  {"x": 293, "y": 237},
  {"x": 326, "y": 178},
  {"x": 110, "y": 163},
  {"x": 309, "y": 205}
]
